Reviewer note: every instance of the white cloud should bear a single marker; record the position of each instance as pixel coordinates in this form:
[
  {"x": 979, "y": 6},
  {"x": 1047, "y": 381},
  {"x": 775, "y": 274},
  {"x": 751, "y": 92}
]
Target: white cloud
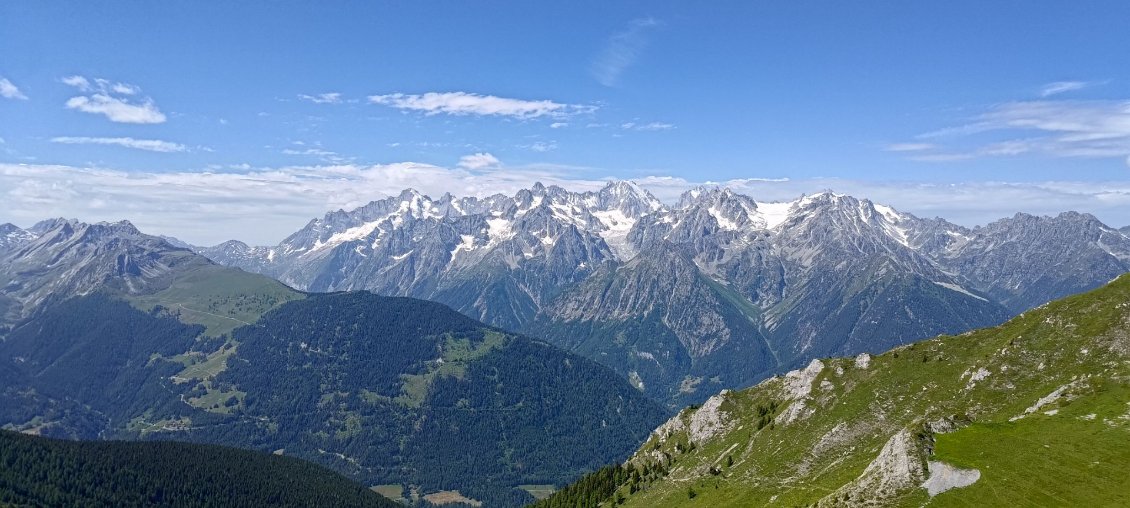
[
  {"x": 117, "y": 110},
  {"x": 622, "y": 51},
  {"x": 1059, "y": 87},
  {"x": 463, "y": 103},
  {"x": 479, "y": 161},
  {"x": 152, "y": 145},
  {"x": 322, "y": 98},
  {"x": 78, "y": 82},
  {"x": 558, "y": 125},
  {"x": 10, "y": 91},
  {"x": 112, "y": 100},
  {"x": 1049, "y": 128},
  {"x": 653, "y": 126},
  {"x": 125, "y": 89}
]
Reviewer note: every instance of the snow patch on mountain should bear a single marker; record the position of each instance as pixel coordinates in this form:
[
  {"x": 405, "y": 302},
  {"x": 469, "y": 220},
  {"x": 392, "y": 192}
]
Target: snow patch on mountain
[
  {"x": 498, "y": 230},
  {"x": 615, "y": 233},
  {"x": 352, "y": 234},
  {"x": 723, "y": 221},
  {"x": 774, "y": 214}
]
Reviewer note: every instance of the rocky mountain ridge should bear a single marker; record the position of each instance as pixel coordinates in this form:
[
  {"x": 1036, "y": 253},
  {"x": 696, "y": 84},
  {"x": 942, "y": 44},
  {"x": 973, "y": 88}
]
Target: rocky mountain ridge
[{"x": 60, "y": 258}]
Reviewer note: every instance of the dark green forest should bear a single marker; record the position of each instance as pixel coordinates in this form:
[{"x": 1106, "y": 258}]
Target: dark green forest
[
  {"x": 37, "y": 471},
  {"x": 494, "y": 410},
  {"x": 382, "y": 390},
  {"x": 87, "y": 364}
]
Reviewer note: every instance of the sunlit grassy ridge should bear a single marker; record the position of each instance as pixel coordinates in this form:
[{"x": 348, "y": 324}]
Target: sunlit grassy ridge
[
  {"x": 1033, "y": 411},
  {"x": 221, "y": 299}
]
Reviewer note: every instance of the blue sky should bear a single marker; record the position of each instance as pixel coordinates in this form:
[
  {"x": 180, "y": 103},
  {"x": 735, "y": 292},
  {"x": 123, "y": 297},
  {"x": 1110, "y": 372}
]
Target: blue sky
[{"x": 182, "y": 115}]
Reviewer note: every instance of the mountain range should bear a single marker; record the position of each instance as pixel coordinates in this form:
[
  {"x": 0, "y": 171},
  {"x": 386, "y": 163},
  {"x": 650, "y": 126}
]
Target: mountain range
[
  {"x": 107, "y": 332},
  {"x": 718, "y": 290}
]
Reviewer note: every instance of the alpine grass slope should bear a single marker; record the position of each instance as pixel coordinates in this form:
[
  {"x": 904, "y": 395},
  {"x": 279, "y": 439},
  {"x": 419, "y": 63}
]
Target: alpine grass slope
[{"x": 1034, "y": 412}]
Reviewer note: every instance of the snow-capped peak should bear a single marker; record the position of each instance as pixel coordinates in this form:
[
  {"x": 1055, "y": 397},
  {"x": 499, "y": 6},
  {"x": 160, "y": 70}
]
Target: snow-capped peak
[{"x": 629, "y": 198}]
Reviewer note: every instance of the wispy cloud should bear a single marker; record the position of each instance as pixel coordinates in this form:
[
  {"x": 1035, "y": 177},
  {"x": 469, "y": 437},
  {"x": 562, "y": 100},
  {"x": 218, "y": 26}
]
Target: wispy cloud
[
  {"x": 479, "y": 162},
  {"x": 315, "y": 149},
  {"x": 1049, "y": 128},
  {"x": 622, "y": 50},
  {"x": 463, "y": 103},
  {"x": 10, "y": 91},
  {"x": 322, "y": 98},
  {"x": 652, "y": 126},
  {"x": 113, "y": 100},
  {"x": 909, "y": 147},
  {"x": 309, "y": 151},
  {"x": 1059, "y": 87},
  {"x": 541, "y": 146},
  {"x": 558, "y": 125},
  {"x": 152, "y": 145}
]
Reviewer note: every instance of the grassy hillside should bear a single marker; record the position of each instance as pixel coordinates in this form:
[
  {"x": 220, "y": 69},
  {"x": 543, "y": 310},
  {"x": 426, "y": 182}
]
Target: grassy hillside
[
  {"x": 221, "y": 299},
  {"x": 46, "y": 472},
  {"x": 1035, "y": 412}
]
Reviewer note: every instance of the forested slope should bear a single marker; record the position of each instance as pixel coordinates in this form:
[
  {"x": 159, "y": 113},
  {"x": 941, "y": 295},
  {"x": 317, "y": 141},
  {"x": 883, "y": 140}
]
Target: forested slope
[{"x": 37, "y": 471}]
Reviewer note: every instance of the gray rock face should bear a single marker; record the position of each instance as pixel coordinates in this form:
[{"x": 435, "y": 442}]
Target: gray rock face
[
  {"x": 175, "y": 242},
  {"x": 12, "y": 237},
  {"x": 1025, "y": 261},
  {"x": 64, "y": 258},
  {"x": 717, "y": 290}
]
